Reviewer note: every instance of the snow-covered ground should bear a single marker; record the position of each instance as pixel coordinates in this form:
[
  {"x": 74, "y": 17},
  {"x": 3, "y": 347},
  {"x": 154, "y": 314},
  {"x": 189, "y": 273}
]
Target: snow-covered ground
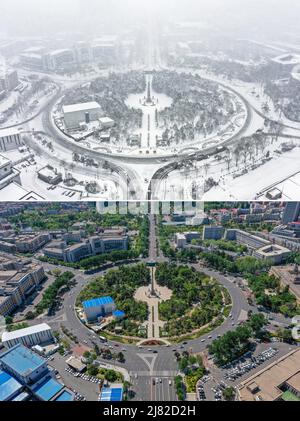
[{"x": 161, "y": 102}]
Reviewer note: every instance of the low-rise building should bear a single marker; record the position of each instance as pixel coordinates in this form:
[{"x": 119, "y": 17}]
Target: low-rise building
[
  {"x": 106, "y": 122},
  {"x": 76, "y": 364},
  {"x": 31, "y": 371},
  {"x": 50, "y": 175},
  {"x": 98, "y": 308},
  {"x": 81, "y": 113},
  {"x": 180, "y": 241},
  {"x": 30, "y": 336},
  {"x": 272, "y": 252},
  {"x": 10, "y": 388}
]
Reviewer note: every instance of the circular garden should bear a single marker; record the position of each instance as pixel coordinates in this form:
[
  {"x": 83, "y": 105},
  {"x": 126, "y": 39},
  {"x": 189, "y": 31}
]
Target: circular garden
[{"x": 198, "y": 303}]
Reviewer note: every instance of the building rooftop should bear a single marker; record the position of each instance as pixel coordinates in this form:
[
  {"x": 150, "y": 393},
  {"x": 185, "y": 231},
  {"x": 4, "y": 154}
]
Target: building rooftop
[
  {"x": 21, "y": 360},
  {"x": 75, "y": 363},
  {"x": 264, "y": 385},
  {"x": 49, "y": 172},
  {"x": 104, "y": 120},
  {"x": 65, "y": 396},
  {"x": 97, "y": 302},
  {"x": 47, "y": 389},
  {"x": 60, "y": 51},
  {"x": 81, "y": 107},
  {"x": 118, "y": 314},
  {"x": 112, "y": 394},
  {"x": 15, "y": 192},
  {"x": 9, "y": 386},
  {"x": 273, "y": 250},
  {"x": 8, "y": 336},
  {"x": 21, "y": 397},
  {"x": 4, "y": 161},
  {"x": 9, "y": 132}
]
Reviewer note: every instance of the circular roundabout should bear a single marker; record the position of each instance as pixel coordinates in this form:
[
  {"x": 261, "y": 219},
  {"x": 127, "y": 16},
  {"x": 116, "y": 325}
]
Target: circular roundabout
[
  {"x": 151, "y": 115},
  {"x": 156, "y": 305}
]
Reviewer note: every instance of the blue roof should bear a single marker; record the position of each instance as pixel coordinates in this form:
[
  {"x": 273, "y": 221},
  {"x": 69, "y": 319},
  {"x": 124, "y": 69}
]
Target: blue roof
[
  {"x": 21, "y": 360},
  {"x": 112, "y": 394},
  {"x": 9, "y": 386},
  {"x": 97, "y": 302},
  {"x": 64, "y": 396},
  {"x": 47, "y": 389},
  {"x": 21, "y": 397},
  {"x": 118, "y": 313}
]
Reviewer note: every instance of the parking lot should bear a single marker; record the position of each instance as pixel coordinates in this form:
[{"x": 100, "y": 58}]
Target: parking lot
[
  {"x": 210, "y": 387},
  {"x": 248, "y": 363},
  {"x": 84, "y": 388}
]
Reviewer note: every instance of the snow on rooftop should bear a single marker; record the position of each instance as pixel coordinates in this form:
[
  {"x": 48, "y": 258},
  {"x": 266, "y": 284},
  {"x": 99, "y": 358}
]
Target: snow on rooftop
[
  {"x": 85, "y": 106},
  {"x": 60, "y": 51},
  {"x": 8, "y": 132},
  {"x": 13, "y": 191},
  {"x": 106, "y": 120}
]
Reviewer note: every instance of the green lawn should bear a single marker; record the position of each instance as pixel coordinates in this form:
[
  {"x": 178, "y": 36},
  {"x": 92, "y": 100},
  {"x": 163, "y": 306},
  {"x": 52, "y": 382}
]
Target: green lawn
[{"x": 289, "y": 396}]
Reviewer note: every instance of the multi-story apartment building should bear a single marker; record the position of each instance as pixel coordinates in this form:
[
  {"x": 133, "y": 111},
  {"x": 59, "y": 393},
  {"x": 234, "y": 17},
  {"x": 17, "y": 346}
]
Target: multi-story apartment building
[
  {"x": 213, "y": 232},
  {"x": 250, "y": 240},
  {"x": 291, "y": 212},
  {"x": 9, "y": 80},
  {"x": 60, "y": 59},
  {"x": 16, "y": 285},
  {"x": 27, "y": 243},
  {"x": 10, "y": 139},
  {"x": 90, "y": 247},
  {"x": 8, "y": 247}
]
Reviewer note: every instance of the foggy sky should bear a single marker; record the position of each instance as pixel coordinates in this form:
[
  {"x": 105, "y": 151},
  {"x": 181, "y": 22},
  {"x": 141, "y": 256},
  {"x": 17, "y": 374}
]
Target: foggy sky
[{"x": 43, "y": 17}]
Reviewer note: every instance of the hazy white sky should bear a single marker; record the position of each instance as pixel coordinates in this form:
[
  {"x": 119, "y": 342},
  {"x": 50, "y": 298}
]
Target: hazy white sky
[{"x": 38, "y": 16}]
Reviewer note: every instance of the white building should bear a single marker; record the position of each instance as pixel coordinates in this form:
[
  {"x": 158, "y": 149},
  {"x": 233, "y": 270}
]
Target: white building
[
  {"x": 180, "y": 240},
  {"x": 60, "y": 59},
  {"x": 30, "y": 336},
  {"x": 8, "y": 174},
  {"x": 106, "y": 122},
  {"x": 9, "y": 80},
  {"x": 272, "y": 252},
  {"x": 81, "y": 113},
  {"x": 83, "y": 52}
]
